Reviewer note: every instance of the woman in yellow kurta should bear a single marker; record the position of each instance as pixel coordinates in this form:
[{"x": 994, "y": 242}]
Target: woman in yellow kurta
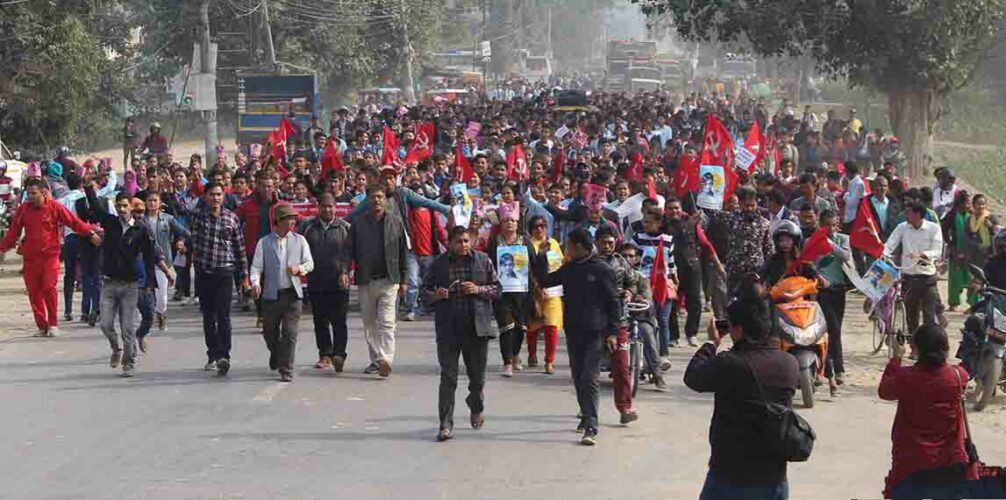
[{"x": 547, "y": 313}]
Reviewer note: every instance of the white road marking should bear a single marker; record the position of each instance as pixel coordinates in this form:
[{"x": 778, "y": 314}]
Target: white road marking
[{"x": 271, "y": 391}]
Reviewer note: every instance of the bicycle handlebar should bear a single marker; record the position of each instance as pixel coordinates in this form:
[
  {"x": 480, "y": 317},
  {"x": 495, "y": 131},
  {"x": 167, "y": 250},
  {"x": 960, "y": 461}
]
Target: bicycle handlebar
[{"x": 636, "y": 306}]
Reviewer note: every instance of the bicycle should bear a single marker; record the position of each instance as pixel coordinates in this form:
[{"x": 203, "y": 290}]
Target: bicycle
[
  {"x": 629, "y": 310},
  {"x": 890, "y": 321}
]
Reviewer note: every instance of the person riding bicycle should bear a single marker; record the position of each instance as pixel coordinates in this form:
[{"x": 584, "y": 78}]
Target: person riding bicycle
[
  {"x": 921, "y": 245},
  {"x": 639, "y": 288},
  {"x": 605, "y": 240}
]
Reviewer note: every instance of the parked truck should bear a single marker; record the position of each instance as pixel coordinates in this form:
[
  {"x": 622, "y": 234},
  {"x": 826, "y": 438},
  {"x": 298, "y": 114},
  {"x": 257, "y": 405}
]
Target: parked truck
[{"x": 263, "y": 100}]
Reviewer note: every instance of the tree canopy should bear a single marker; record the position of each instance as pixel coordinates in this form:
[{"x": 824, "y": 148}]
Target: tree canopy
[{"x": 915, "y": 51}]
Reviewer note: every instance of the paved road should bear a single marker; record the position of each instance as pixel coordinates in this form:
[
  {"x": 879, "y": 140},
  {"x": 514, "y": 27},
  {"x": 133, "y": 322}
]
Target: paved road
[{"x": 73, "y": 429}]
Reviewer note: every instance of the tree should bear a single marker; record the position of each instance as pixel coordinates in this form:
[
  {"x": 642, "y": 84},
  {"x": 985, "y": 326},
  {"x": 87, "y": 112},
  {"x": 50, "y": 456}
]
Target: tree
[{"x": 914, "y": 51}]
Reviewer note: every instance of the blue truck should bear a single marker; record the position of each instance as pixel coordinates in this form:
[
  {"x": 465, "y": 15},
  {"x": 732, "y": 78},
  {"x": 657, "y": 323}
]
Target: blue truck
[{"x": 263, "y": 100}]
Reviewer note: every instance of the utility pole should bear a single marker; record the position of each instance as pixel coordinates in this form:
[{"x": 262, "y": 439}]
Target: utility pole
[
  {"x": 270, "y": 49},
  {"x": 410, "y": 89},
  {"x": 208, "y": 66}
]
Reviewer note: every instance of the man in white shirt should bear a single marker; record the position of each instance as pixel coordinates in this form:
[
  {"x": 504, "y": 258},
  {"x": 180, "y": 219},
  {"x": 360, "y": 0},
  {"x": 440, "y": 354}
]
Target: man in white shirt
[
  {"x": 921, "y": 244},
  {"x": 281, "y": 258},
  {"x": 945, "y": 191}
]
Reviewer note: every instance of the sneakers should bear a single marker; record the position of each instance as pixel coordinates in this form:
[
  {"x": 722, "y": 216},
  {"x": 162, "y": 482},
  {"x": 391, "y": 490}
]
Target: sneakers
[
  {"x": 115, "y": 359},
  {"x": 286, "y": 377},
  {"x": 444, "y": 435},
  {"x": 517, "y": 366},
  {"x": 210, "y": 366},
  {"x": 383, "y": 368},
  {"x": 370, "y": 369},
  {"x": 92, "y": 319},
  {"x": 659, "y": 384},
  {"x": 674, "y": 343},
  {"x": 53, "y": 331},
  {"x": 223, "y": 366},
  {"x": 324, "y": 363},
  {"x": 338, "y": 362},
  {"x": 507, "y": 371},
  {"x": 628, "y": 416},
  {"x": 40, "y": 333},
  {"x": 409, "y": 316},
  {"x": 67, "y": 317},
  {"x": 144, "y": 345},
  {"x": 692, "y": 342},
  {"x": 162, "y": 321},
  {"x": 665, "y": 364},
  {"x": 127, "y": 371},
  {"x": 589, "y": 437}
]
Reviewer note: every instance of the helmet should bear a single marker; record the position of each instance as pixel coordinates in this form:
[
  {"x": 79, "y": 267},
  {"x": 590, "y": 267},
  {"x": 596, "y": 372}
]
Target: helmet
[
  {"x": 155, "y": 125},
  {"x": 787, "y": 227}
]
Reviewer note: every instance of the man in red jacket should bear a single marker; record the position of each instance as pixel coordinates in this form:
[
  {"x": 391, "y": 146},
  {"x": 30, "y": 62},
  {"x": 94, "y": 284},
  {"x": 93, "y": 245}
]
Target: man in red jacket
[
  {"x": 41, "y": 218},
  {"x": 254, "y": 212}
]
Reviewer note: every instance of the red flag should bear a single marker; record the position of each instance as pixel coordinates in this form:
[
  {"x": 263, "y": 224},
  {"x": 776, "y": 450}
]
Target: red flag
[
  {"x": 686, "y": 177},
  {"x": 755, "y": 146},
  {"x": 865, "y": 233},
  {"x": 462, "y": 166},
  {"x": 558, "y": 165},
  {"x": 651, "y": 188},
  {"x": 717, "y": 145},
  {"x": 817, "y": 246},
  {"x": 772, "y": 152},
  {"x": 390, "y": 153},
  {"x": 330, "y": 158},
  {"x": 278, "y": 140},
  {"x": 287, "y": 127},
  {"x": 516, "y": 163},
  {"x": 658, "y": 276},
  {"x": 422, "y": 146},
  {"x": 635, "y": 171}
]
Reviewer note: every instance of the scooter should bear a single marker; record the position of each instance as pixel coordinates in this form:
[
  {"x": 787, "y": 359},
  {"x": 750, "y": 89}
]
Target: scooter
[
  {"x": 802, "y": 330},
  {"x": 983, "y": 344}
]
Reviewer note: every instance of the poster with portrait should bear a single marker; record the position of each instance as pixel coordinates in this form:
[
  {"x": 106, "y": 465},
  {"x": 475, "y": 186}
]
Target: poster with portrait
[
  {"x": 513, "y": 267},
  {"x": 876, "y": 282},
  {"x": 648, "y": 257},
  {"x": 712, "y": 186},
  {"x": 554, "y": 263},
  {"x": 463, "y": 205},
  {"x": 595, "y": 196}
]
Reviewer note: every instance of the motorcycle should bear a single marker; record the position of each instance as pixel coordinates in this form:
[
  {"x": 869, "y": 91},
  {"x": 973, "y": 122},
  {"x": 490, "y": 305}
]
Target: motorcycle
[
  {"x": 802, "y": 330},
  {"x": 983, "y": 343}
]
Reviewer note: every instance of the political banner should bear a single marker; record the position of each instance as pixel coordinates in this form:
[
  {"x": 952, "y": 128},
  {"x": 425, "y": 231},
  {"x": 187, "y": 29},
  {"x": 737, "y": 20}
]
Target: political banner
[
  {"x": 595, "y": 196},
  {"x": 876, "y": 282},
  {"x": 712, "y": 187},
  {"x": 513, "y": 268},
  {"x": 305, "y": 210}
]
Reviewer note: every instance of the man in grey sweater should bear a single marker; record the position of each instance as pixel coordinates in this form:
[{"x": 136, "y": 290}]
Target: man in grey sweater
[{"x": 378, "y": 247}]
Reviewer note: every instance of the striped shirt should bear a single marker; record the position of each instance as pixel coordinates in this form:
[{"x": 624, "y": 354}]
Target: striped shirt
[{"x": 648, "y": 245}]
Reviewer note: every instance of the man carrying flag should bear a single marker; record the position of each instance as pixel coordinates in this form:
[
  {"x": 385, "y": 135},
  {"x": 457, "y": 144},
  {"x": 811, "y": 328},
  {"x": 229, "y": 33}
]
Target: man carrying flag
[{"x": 834, "y": 285}]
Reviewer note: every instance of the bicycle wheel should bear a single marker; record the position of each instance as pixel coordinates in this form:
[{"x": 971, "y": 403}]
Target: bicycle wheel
[
  {"x": 878, "y": 335},
  {"x": 635, "y": 364},
  {"x": 899, "y": 324}
]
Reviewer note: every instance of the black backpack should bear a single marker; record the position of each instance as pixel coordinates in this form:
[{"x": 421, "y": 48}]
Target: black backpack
[{"x": 784, "y": 433}]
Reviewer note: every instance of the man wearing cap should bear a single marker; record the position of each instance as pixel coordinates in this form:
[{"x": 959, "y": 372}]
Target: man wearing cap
[
  {"x": 125, "y": 240},
  {"x": 281, "y": 259},
  {"x": 378, "y": 247}
]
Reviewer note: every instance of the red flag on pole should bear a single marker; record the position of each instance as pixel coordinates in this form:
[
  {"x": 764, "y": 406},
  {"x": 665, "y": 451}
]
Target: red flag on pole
[
  {"x": 635, "y": 171},
  {"x": 516, "y": 163},
  {"x": 865, "y": 233},
  {"x": 288, "y": 128},
  {"x": 686, "y": 177},
  {"x": 651, "y": 188},
  {"x": 330, "y": 158},
  {"x": 278, "y": 140},
  {"x": 390, "y": 153},
  {"x": 717, "y": 145},
  {"x": 463, "y": 167},
  {"x": 817, "y": 246},
  {"x": 658, "y": 276},
  {"x": 422, "y": 146},
  {"x": 754, "y": 149}
]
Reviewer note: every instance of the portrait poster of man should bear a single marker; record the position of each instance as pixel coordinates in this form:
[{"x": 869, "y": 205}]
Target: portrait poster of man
[
  {"x": 513, "y": 268},
  {"x": 712, "y": 186}
]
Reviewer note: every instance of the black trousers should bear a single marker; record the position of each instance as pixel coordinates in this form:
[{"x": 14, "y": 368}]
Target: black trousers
[
  {"x": 280, "y": 328},
  {"x": 833, "y": 306},
  {"x": 922, "y": 297},
  {"x": 585, "y": 364},
  {"x": 475, "y": 351},
  {"x": 215, "y": 290},
  {"x": 329, "y": 311},
  {"x": 690, "y": 284}
]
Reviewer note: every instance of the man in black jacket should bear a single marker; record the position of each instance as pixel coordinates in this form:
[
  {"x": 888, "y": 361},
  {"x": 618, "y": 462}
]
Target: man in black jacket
[
  {"x": 591, "y": 318},
  {"x": 125, "y": 240},
  {"x": 462, "y": 285},
  {"x": 739, "y": 465},
  {"x": 328, "y": 237}
]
